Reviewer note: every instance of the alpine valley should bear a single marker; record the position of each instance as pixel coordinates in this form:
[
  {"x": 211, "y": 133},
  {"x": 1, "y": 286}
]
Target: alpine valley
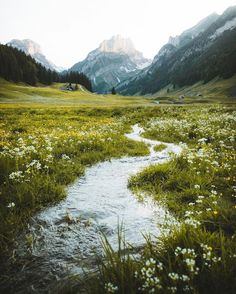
[
  {"x": 117, "y": 174},
  {"x": 200, "y": 54}
]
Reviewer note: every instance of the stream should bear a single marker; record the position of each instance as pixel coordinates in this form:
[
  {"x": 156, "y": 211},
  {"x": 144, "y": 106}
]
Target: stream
[{"x": 65, "y": 238}]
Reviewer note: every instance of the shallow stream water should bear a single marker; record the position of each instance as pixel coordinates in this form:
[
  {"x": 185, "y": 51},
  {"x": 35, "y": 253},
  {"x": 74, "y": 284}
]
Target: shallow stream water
[{"x": 66, "y": 237}]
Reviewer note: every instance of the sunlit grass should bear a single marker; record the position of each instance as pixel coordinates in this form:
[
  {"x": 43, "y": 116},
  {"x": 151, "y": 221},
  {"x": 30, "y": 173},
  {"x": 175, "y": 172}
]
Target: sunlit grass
[
  {"x": 216, "y": 91},
  {"x": 160, "y": 147},
  {"x": 21, "y": 94}
]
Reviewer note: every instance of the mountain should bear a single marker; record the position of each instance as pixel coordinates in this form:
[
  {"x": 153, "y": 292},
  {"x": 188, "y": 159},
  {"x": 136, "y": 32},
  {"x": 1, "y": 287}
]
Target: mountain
[
  {"x": 193, "y": 32},
  {"x": 201, "y": 53},
  {"x": 33, "y": 49},
  {"x": 113, "y": 61}
]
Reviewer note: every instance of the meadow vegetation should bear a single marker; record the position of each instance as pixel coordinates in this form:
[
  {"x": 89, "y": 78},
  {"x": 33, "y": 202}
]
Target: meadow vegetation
[
  {"x": 198, "y": 254},
  {"x": 217, "y": 90},
  {"x": 44, "y": 96},
  {"x": 45, "y": 146},
  {"x": 43, "y": 150},
  {"x": 160, "y": 147}
]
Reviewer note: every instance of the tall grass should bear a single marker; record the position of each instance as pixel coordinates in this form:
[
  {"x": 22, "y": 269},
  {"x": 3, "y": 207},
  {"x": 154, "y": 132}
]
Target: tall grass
[
  {"x": 187, "y": 260},
  {"x": 116, "y": 268}
]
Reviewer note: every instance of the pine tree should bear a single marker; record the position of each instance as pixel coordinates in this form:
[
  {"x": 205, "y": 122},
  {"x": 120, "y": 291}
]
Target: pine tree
[{"x": 113, "y": 91}]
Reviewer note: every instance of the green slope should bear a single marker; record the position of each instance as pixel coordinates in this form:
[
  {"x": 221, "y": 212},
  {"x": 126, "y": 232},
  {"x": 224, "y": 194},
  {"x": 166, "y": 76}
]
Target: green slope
[
  {"x": 217, "y": 90},
  {"x": 11, "y": 93}
]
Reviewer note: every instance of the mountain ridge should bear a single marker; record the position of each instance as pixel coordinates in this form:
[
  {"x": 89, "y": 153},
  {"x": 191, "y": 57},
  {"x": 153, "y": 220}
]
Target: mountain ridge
[
  {"x": 194, "y": 31},
  {"x": 201, "y": 58}
]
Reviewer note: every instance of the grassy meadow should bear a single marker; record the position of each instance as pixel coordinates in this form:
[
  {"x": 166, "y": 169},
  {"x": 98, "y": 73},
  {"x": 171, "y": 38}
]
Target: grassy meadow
[
  {"x": 49, "y": 137},
  {"x": 28, "y": 96}
]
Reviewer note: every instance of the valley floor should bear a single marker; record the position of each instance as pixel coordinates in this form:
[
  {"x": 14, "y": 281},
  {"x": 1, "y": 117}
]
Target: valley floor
[
  {"x": 56, "y": 96},
  {"x": 49, "y": 137}
]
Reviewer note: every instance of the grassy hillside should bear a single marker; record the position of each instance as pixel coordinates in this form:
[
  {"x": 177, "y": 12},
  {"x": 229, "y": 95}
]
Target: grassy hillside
[
  {"x": 217, "y": 90},
  {"x": 24, "y": 94}
]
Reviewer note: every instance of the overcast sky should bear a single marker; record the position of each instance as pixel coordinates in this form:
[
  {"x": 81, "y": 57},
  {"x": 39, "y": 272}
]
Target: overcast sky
[{"x": 67, "y": 30}]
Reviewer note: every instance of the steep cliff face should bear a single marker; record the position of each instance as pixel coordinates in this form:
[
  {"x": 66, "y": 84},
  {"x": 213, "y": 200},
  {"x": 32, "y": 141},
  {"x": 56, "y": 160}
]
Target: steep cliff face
[
  {"x": 198, "y": 54},
  {"x": 32, "y": 48},
  {"x": 112, "y": 62}
]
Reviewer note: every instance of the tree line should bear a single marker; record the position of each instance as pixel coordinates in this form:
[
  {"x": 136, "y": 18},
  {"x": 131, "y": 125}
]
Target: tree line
[
  {"x": 76, "y": 78},
  {"x": 16, "y": 66}
]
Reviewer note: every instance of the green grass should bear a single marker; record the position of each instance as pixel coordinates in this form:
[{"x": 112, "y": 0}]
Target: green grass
[
  {"x": 216, "y": 91},
  {"x": 160, "y": 147},
  {"x": 192, "y": 261},
  {"x": 22, "y": 94},
  {"x": 49, "y": 137}
]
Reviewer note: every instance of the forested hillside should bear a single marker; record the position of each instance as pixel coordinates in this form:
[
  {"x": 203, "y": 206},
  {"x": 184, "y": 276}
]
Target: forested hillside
[{"x": 16, "y": 66}]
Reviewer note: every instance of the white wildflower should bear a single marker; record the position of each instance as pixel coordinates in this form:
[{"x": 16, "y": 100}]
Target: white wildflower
[
  {"x": 11, "y": 205},
  {"x": 174, "y": 276},
  {"x": 16, "y": 176},
  {"x": 110, "y": 288},
  {"x": 65, "y": 157}
]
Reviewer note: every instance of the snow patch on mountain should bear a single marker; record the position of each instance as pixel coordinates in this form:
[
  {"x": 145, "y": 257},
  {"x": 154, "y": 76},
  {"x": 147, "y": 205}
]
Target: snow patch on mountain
[
  {"x": 144, "y": 64},
  {"x": 125, "y": 69}
]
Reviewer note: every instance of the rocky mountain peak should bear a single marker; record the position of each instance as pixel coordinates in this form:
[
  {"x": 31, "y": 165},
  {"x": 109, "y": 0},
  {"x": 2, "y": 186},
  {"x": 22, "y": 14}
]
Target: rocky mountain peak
[
  {"x": 118, "y": 44},
  {"x": 113, "y": 61},
  {"x": 28, "y": 46}
]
